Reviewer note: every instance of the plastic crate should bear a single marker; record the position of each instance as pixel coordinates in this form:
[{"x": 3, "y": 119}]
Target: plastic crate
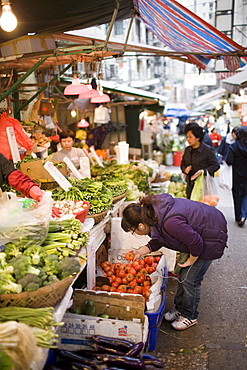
[
  {"x": 154, "y": 321},
  {"x": 165, "y": 279}
]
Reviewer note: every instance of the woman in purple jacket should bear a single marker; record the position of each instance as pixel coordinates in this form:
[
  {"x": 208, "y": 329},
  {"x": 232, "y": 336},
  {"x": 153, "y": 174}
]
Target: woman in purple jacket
[{"x": 185, "y": 226}]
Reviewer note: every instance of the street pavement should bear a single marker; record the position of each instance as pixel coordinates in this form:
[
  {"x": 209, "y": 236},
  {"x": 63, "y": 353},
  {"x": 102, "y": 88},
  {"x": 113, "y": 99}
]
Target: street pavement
[{"x": 219, "y": 340}]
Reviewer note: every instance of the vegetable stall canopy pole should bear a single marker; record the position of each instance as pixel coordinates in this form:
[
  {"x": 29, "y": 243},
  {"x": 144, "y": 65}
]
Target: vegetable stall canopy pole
[{"x": 183, "y": 31}]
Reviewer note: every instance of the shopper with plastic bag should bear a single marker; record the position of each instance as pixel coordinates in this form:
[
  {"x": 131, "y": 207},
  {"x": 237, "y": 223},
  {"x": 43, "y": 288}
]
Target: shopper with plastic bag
[
  {"x": 198, "y": 157},
  {"x": 237, "y": 157},
  {"x": 186, "y": 226},
  {"x": 20, "y": 182}
]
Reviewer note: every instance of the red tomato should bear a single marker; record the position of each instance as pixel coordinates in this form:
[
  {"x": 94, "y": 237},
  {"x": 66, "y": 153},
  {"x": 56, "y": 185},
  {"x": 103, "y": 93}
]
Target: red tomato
[
  {"x": 104, "y": 264},
  {"x": 140, "y": 278},
  {"x": 125, "y": 280},
  {"x": 120, "y": 290},
  {"x": 123, "y": 287},
  {"x": 118, "y": 280},
  {"x": 97, "y": 288},
  {"x": 105, "y": 288},
  {"x": 139, "y": 289},
  {"x": 143, "y": 271},
  {"x": 129, "y": 277},
  {"x": 135, "y": 263},
  {"x": 150, "y": 269},
  {"x": 157, "y": 259},
  {"x": 107, "y": 268},
  {"x": 133, "y": 284},
  {"x": 146, "y": 283},
  {"x": 149, "y": 260},
  {"x": 155, "y": 264},
  {"x": 118, "y": 265},
  {"x": 112, "y": 289},
  {"x": 109, "y": 273},
  {"x": 114, "y": 284},
  {"x": 129, "y": 256},
  {"x": 132, "y": 271},
  {"x": 141, "y": 262},
  {"x": 121, "y": 273}
]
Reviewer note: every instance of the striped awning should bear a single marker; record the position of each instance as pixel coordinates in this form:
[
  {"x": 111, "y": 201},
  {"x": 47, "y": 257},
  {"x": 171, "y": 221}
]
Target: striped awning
[{"x": 185, "y": 32}]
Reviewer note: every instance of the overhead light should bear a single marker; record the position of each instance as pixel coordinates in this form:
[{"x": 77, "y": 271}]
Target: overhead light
[
  {"x": 73, "y": 113},
  {"x": 91, "y": 94},
  {"x": 8, "y": 20},
  {"x": 83, "y": 123},
  {"x": 102, "y": 98},
  {"x": 76, "y": 88}
]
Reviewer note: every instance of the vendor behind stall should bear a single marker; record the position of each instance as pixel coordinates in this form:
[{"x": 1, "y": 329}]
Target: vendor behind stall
[{"x": 67, "y": 139}]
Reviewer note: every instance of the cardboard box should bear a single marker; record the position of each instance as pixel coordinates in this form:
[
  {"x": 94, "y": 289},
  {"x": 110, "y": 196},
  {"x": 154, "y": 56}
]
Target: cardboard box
[
  {"x": 36, "y": 171},
  {"x": 130, "y": 322}
]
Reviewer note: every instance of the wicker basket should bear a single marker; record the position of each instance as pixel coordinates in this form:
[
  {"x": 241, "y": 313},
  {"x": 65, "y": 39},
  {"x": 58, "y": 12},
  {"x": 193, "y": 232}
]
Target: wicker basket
[
  {"x": 98, "y": 216},
  {"x": 46, "y": 296},
  {"x": 119, "y": 197}
]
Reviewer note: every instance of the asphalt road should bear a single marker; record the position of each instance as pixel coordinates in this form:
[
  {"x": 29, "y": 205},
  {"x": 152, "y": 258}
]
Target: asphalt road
[{"x": 219, "y": 340}]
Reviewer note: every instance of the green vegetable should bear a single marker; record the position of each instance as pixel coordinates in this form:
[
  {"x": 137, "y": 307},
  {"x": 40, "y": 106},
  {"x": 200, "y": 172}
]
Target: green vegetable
[
  {"x": 5, "y": 361},
  {"x": 181, "y": 258},
  {"x": 37, "y": 254},
  {"x": 30, "y": 282},
  {"x": 68, "y": 266},
  {"x": 23, "y": 265},
  {"x": 90, "y": 308},
  {"x": 51, "y": 264},
  {"x": 7, "y": 285}
]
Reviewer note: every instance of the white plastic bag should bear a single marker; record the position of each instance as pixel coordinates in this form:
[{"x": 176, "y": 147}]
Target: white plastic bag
[
  {"x": 225, "y": 177},
  {"x": 25, "y": 226}
]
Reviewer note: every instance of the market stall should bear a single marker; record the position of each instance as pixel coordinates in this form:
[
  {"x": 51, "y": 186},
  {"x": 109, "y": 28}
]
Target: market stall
[{"x": 83, "y": 238}]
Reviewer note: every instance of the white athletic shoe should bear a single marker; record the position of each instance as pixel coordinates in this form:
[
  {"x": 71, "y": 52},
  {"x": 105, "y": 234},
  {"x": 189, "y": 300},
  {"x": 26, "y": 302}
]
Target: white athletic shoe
[
  {"x": 183, "y": 323},
  {"x": 172, "y": 315}
]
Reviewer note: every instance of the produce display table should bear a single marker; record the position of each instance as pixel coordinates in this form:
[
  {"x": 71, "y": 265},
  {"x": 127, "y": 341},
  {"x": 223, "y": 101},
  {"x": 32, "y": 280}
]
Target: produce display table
[{"x": 96, "y": 237}]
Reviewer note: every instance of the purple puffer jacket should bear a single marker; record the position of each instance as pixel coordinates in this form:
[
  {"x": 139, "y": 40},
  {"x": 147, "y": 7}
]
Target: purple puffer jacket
[{"x": 188, "y": 226}]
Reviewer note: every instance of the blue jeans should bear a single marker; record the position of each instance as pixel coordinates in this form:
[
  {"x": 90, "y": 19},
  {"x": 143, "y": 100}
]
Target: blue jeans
[
  {"x": 188, "y": 293},
  {"x": 243, "y": 211}
]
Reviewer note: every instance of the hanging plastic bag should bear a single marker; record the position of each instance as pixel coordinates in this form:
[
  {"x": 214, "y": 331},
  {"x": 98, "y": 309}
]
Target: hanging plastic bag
[
  {"x": 225, "y": 177},
  {"x": 209, "y": 191},
  {"x": 24, "y": 226},
  {"x": 197, "y": 190}
]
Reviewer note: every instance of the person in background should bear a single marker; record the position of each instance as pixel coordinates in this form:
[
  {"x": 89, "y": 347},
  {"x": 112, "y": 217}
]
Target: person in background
[
  {"x": 186, "y": 226},
  {"x": 226, "y": 142},
  {"x": 198, "y": 157},
  {"x": 237, "y": 157},
  {"x": 67, "y": 139},
  {"x": 215, "y": 137},
  {"x": 22, "y": 183},
  {"x": 206, "y": 139}
]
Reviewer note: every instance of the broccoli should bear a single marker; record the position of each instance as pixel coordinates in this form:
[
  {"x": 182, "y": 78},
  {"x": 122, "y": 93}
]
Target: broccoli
[
  {"x": 23, "y": 265},
  {"x": 11, "y": 251},
  {"x": 5, "y": 268},
  {"x": 30, "y": 282},
  {"x": 37, "y": 254},
  {"x": 68, "y": 266},
  {"x": 42, "y": 275},
  {"x": 51, "y": 264},
  {"x": 51, "y": 279},
  {"x": 7, "y": 285}
]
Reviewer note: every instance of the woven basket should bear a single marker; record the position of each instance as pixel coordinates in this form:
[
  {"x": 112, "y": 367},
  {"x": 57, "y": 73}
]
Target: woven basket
[
  {"x": 119, "y": 197},
  {"x": 98, "y": 216},
  {"x": 46, "y": 296}
]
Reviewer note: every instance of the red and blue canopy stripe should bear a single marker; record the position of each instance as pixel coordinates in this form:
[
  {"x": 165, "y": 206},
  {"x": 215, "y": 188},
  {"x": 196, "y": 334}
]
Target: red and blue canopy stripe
[{"x": 183, "y": 31}]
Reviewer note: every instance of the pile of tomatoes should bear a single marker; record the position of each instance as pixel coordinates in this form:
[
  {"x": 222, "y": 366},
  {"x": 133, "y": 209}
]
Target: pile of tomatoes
[{"x": 132, "y": 277}]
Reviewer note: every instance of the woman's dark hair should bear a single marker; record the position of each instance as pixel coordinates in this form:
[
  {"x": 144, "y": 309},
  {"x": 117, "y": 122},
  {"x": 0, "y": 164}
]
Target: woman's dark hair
[
  {"x": 136, "y": 213},
  {"x": 67, "y": 133},
  {"x": 242, "y": 134},
  {"x": 196, "y": 130},
  {"x": 234, "y": 130}
]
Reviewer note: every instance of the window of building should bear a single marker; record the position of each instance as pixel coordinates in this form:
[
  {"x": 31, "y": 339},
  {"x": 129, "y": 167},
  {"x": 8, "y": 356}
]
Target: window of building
[{"x": 119, "y": 29}]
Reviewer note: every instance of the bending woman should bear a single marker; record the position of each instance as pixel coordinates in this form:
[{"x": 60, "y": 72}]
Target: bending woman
[{"x": 186, "y": 226}]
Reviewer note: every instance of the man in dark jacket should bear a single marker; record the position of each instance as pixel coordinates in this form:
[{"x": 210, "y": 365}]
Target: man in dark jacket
[{"x": 185, "y": 226}]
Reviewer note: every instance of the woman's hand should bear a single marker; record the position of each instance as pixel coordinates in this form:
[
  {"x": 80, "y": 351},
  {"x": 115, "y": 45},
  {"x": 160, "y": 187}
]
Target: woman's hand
[
  {"x": 188, "y": 169},
  {"x": 198, "y": 173},
  {"x": 140, "y": 252},
  {"x": 36, "y": 193},
  {"x": 190, "y": 261}
]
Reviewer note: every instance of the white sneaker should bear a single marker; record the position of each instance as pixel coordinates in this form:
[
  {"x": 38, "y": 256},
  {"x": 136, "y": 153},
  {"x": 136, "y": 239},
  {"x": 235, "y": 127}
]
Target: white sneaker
[
  {"x": 183, "y": 323},
  {"x": 172, "y": 315}
]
